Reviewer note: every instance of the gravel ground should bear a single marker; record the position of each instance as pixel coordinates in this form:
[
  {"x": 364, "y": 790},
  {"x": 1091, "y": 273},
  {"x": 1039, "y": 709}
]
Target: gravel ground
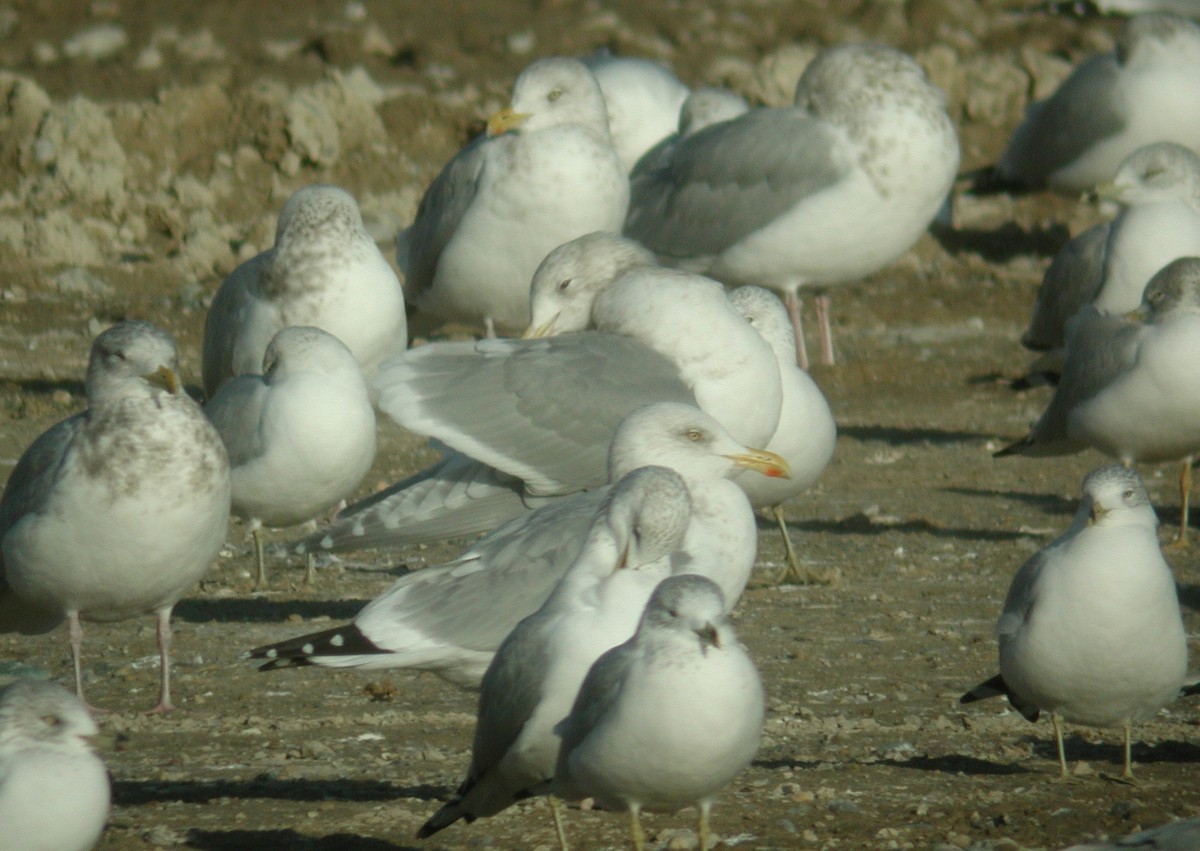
[{"x": 145, "y": 149}]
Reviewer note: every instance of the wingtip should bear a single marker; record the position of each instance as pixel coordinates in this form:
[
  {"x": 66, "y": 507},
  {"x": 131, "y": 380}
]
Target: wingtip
[{"x": 1012, "y": 449}]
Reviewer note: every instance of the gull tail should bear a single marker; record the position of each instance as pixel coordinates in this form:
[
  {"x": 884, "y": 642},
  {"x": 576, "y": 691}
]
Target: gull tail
[
  {"x": 446, "y": 816},
  {"x": 341, "y": 647},
  {"x": 996, "y": 687},
  {"x": 1017, "y": 448}
]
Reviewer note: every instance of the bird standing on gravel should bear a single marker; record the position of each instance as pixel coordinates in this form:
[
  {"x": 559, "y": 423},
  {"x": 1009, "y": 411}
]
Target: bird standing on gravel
[
  {"x": 1091, "y": 631},
  {"x": 300, "y": 436},
  {"x": 54, "y": 790},
  {"x": 324, "y": 270},
  {"x": 821, "y": 193},
  {"x": 667, "y": 719},
  {"x": 545, "y": 173},
  {"x": 1127, "y": 389},
  {"x": 119, "y": 510}
]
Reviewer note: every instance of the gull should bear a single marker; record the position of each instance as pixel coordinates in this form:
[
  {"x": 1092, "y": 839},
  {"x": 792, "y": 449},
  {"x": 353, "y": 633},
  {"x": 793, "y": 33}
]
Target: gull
[
  {"x": 702, "y": 107},
  {"x": 563, "y": 293},
  {"x": 324, "y": 270},
  {"x": 824, "y": 192},
  {"x": 1087, "y": 8},
  {"x": 1111, "y": 105},
  {"x": 1182, "y": 835},
  {"x": 1091, "y": 631},
  {"x": 545, "y": 173},
  {"x": 54, "y": 790},
  {"x": 531, "y": 420},
  {"x": 451, "y": 618},
  {"x": 1129, "y": 389},
  {"x": 642, "y": 99},
  {"x": 806, "y": 434},
  {"x": 667, "y": 719},
  {"x": 300, "y": 436},
  {"x": 532, "y": 681},
  {"x": 1071, "y": 281},
  {"x": 119, "y": 510}
]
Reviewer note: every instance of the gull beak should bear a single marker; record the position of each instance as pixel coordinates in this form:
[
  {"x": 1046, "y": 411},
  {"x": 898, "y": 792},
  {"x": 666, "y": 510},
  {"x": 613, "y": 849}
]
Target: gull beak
[
  {"x": 1096, "y": 514},
  {"x": 505, "y": 120},
  {"x": 708, "y": 637},
  {"x": 1107, "y": 191},
  {"x": 165, "y": 378},
  {"x": 546, "y": 329},
  {"x": 1139, "y": 314},
  {"x": 763, "y": 461}
]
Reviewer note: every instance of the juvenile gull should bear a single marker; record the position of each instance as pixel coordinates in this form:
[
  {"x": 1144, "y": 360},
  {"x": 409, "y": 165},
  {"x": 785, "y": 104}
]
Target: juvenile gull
[
  {"x": 119, "y": 510},
  {"x": 642, "y": 99},
  {"x": 667, "y": 719},
  {"x": 824, "y": 192},
  {"x": 532, "y": 681},
  {"x": 806, "y": 434},
  {"x": 324, "y": 270},
  {"x": 1091, "y": 631},
  {"x": 1128, "y": 389},
  {"x": 54, "y": 790},
  {"x": 545, "y": 173},
  {"x": 450, "y": 619},
  {"x": 537, "y": 416},
  {"x": 300, "y": 436},
  {"x": 1111, "y": 105}
]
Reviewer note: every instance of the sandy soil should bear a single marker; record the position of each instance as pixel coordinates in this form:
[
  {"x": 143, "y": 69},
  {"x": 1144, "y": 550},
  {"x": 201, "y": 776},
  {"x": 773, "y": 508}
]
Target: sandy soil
[{"x": 135, "y": 174}]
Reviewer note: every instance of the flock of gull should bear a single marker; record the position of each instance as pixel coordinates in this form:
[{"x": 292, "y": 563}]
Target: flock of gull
[{"x": 652, "y": 244}]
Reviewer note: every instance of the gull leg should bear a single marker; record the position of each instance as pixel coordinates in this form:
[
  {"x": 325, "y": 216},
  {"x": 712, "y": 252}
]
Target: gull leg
[
  {"x": 702, "y": 831},
  {"x": 559, "y": 827},
  {"x": 793, "y": 561},
  {"x": 1127, "y": 772},
  {"x": 310, "y": 561},
  {"x": 821, "y": 303},
  {"x": 164, "y": 662},
  {"x": 256, "y": 532},
  {"x": 792, "y": 302},
  {"x": 635, "y": 827},
  {"x": 75, "y": 639},
  {"x": 489, "y": 328},
  {"x": 1062, "y": 754},
  {"x": 1185, "y": 493}
]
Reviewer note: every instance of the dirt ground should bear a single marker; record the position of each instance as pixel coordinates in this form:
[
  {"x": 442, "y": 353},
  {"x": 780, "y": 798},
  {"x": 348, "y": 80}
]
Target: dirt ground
[{"x": 145, "y": 149}]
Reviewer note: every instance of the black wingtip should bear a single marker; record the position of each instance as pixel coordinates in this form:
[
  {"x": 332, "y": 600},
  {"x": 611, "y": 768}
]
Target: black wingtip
[
  {"x": 345, "y": 640},
  {"x": 997, "y": 687},
  {"x": 1012, "y": 449}
]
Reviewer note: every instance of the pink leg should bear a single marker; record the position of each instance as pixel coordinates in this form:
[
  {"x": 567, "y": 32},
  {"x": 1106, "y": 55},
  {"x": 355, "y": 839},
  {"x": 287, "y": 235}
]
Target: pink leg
[
  {"x": 75, "y": 637},
  {"x": 821, "y": 303},
  {"x": 164, "y": 662},
  {"x": 793, "y": 303},
  {"x": 489, "y": 328}
]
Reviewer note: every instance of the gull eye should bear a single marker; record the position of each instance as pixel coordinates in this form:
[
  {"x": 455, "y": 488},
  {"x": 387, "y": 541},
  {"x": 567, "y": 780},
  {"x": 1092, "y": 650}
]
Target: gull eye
[
  {"x": 695, "y": 435},
  {"x": 554, "y": 95},
  {"x": 52, "y": 720},
  {"x": 563, "y": 284},
  {"x": 1128, "y": 494}
]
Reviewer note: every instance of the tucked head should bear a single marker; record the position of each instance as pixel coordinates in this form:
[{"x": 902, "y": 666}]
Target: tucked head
[
  {"x": 850, "y": 80},
  {"x": 687, "y": 604},
  {"x": 767, "y": 315},
  {"x": 648, "y": 513},
  {"x": 1155, "y": 172},
  {"x": 303, "y": 348},
  {"x": 132, "y": 357},
  {"x": 1175, "y": 288},
  {"x": 706, "y": 106},
  {"x": 1115, "y": 495},
  {"x": 45, "y": 714},
  {"x": 317, "y": 208}
]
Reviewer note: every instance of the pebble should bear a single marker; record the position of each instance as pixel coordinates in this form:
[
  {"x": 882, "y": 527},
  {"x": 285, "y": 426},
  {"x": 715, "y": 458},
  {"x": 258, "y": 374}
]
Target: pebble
[{"x": 95, "y": 43}]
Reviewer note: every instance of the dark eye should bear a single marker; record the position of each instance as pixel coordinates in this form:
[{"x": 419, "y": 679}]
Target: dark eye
[
  {"x": 554, "y": 95},
  {"x": 563, "y": 284},
  {"x": 52, "y": 720},
  {"x": 672, "y": 613},
  {"x": 1128, "y": 494}
]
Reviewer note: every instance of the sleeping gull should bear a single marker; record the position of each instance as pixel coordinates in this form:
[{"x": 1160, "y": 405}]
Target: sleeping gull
[
  {"x": 821, "y": 193},
  {"x": 1182, "y": 835},
  {"x": 54, "y": 790},
  {"x": 667, "y": 719},
  {"x": 529, "y": 420},
  {"x": 532, "y": 681},
  {"x": 119, "y": 510},
  {"x": 1127, "y": 389},
  {"x": 545, "y": 173},
  {"x": 300, "y": 436},
  {"x": 1091, "y": 631},
  {"x": 642, "y": 99},
  {"x": 1111, "y": 105},
  {"x": 324, "y": 270},
  {"x": 806, "y": 434},
  {"x": 450, "y": 619}
]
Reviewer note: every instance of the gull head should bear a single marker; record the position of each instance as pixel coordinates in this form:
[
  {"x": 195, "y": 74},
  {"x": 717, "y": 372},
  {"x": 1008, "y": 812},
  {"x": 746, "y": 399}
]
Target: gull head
[
  {"x": 1175, "y": 288},
  {"x": 45, "y": 715},
  {"x": 132, "y": 358},
  {"x": 688, "y": 606},
  {"x": 1115, "y": 496}
]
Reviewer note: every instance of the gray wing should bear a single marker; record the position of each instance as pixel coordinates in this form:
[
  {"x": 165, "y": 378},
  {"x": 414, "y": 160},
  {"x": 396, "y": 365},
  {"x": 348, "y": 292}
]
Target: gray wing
[
  {"x": 442, "y": 208},
  {"x": 1099, "y": 349},
  {"x": 597, "y": 694},
  {"x": 1071, "y": 281},
  {"x": 729, "y": 179},
  {"x": 455, "y": 497},
  {"x": 236, "y": 413},
  {"x": 543, "y": 411},
  {"x": 1021, "y": 593},
  {"x": 37, "y": 472},
  {"x": 1177, "y": 836},
  {"x": 477, "y": 600},
  {"x": 229, "y": 313},
  {"x": 1058, "y": 130}
]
